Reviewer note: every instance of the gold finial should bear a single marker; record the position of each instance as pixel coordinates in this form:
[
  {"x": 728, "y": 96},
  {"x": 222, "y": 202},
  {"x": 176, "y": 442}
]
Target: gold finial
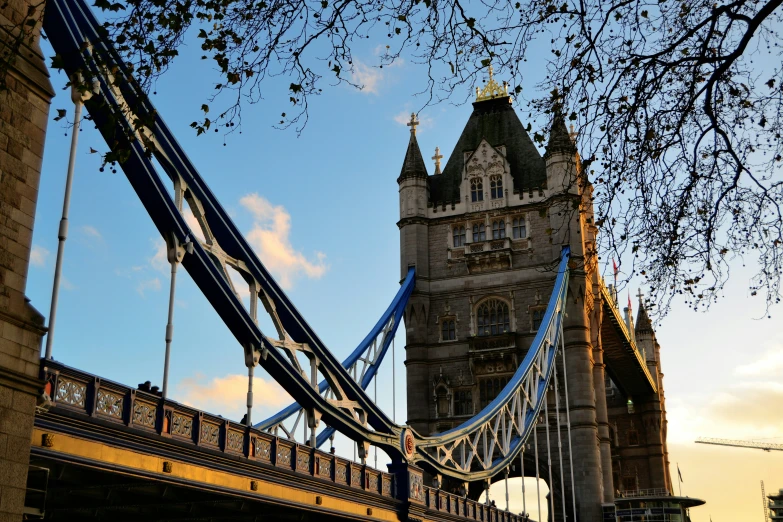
[
  {"x": 437, "y": 157},
  {"x": 412, "y": 124},
  {"x": 492, "y": 89}
]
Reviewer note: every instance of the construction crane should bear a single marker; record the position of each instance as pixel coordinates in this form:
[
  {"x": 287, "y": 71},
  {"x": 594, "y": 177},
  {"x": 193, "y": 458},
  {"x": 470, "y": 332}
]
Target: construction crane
[
  {"x": 766, "y": 446},
  {"x": 764, "y": 502}
]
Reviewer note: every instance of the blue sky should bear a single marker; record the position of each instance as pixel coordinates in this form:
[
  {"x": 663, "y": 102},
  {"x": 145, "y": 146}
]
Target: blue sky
[{"x": 320, "y": 209}]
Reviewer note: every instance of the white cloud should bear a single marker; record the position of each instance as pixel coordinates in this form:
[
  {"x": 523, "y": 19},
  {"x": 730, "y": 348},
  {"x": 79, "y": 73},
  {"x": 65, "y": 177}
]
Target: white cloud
[
  {"x": 769, "y": 364},
  {"x": 367, "y": 77},
  {"x": 91, "y": 231},
  {"x": 148, "y": 284},
  {"x": 38, "y": 255},
  {"x": 404, "y": 117},
  {"x": 227, "y": 395},
  {"x": 269, "y": 238},
  {"x": 742, "y": 410},
  {"x": 192, "y": 222},
  {"x": 66, "y": 284},
  {"x": 159, "y": 260}
]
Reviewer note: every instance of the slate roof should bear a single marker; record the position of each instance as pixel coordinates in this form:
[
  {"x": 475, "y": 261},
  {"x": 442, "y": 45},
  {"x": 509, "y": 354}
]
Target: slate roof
[
  {"x": 559, "y": 139},
  {"x": 413, "y": 165},
  {"x": 496, "y": 121},
  {"x": 643, "y": 323}
]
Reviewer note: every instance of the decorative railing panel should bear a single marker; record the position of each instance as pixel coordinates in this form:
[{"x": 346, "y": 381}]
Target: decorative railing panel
[{"x": 70, "y": 391}]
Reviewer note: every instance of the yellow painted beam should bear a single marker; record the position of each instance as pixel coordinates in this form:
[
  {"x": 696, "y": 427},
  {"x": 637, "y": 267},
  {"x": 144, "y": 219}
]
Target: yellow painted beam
[{"x": 134, "y": 461}]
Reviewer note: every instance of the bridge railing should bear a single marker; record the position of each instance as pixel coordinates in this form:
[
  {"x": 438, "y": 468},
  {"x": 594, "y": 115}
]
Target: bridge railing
[
  {"x": 654, "y": 492},
  {"x": 443, "y": 502},
  {"x": 77, "y": 394}
]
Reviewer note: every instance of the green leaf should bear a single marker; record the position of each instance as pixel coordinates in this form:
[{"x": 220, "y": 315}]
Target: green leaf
[
  {"x": 60, "y": 114},
  {"x": 205, "y": 108}
]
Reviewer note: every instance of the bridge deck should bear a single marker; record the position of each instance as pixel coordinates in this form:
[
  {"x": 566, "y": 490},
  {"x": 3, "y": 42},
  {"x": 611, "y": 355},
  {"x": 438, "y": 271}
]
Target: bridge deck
[
  {"x": 624, "y": 362},
  {"x": 120, "y": 453}
]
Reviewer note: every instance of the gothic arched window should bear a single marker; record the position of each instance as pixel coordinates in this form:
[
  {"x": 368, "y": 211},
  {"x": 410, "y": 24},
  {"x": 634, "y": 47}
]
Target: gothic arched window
[
  {"x": 496, "y": 187},
  {"x": 538, "y": 317},
  {"x": 479, "y": 233},
  {"x": 442, "y": 402},
  {"x": 448, "y": 329},
  {"x": 476, "y": 189},
  {"x": 463, "y": 402},
  {"x": 459, "y": 236},
  {"x": 518, "y": 228},
  {"x": 498, "y": 229},
  {"x": 492, "y": 317},
  {"x": 490, "y": 388}
]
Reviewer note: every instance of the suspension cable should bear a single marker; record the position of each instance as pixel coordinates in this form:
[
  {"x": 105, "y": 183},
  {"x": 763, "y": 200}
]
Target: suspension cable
[
  {"x": 559, "y": 441},
  {"x": 549, "y": 455},
  {"x": 568, "y": 420},
  {"x": 394, "y": 384},
  {"x": 538, "y": 486},
  {"x": 62, "y": 235},
  {"x": 522, "y": 466},
  {"x": 506, "y": 480}
]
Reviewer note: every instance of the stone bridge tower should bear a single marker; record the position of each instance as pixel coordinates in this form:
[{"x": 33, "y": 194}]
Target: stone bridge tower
[
  {"x": 485, "y": 233},
  {"x": 24, "y": 110}
]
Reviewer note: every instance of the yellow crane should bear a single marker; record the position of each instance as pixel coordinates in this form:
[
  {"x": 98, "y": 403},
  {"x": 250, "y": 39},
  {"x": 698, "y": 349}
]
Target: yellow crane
[{"x": 766, "y": 446}]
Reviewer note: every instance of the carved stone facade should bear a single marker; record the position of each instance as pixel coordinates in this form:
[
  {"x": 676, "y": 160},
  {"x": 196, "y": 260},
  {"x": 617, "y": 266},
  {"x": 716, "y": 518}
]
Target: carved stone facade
[
  {"x": 640, "y": 458},
  {"x": 24, "y": 109},
  {"x": 485, "y": 246}
]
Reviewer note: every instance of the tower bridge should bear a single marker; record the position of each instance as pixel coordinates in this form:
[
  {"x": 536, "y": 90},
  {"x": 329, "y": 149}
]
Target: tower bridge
[{"x": 531, "y": 368}]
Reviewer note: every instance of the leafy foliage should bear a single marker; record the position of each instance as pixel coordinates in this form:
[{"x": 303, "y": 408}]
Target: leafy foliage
[
  {"x": 677, "y": 102},
  {"x": 19, "y": 31}
]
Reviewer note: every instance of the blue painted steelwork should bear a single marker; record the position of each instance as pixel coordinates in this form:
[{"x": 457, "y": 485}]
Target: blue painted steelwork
[
  {"x": 74, "y": 33},
  {"x": 386, "y": 326},
  {"x": 488, "y": 442},
  {"x": 492, "y": 439}
]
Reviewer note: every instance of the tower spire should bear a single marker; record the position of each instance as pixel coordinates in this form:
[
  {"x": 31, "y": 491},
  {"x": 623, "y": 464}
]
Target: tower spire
[
  {"x": 437, "y": 157},
  {"x": 412, "y": 124},
  {"x": 492, "y": 89},
  {"x": 413, "y": 166}
]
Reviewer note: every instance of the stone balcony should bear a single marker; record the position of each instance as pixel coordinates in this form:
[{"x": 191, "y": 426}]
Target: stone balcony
[
  {"x": 492, "y": 342},
  {"x": 481, "y": 256}
]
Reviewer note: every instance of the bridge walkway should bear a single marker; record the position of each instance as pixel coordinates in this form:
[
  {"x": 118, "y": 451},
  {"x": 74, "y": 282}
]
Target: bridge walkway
[{"x": 118, "y": 453}]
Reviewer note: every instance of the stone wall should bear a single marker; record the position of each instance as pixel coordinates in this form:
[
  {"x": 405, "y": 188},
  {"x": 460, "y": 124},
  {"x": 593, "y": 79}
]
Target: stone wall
[{"x": 24, "y": 111}]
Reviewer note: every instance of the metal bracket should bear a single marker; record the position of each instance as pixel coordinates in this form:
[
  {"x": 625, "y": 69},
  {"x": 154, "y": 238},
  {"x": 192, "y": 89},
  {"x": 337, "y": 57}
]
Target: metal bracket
[
  {"x": 252, "y": 356},
  {"x": 175, "y": 251}
]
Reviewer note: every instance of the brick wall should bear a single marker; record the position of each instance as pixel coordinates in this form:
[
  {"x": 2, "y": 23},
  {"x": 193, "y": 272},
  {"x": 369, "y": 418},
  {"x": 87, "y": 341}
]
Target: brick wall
[{"x": 24, "y": 111}]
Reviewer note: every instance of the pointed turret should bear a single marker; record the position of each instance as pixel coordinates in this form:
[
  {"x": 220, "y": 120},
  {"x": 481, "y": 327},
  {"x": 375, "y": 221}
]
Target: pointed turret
[
  {"x": 413, "y": 166},
  {"x": 643, "y": 323},
  {"x": 413, "y": 207},
  {"x": 629, "y": 320},
  {"x": 559, "y": 139}
]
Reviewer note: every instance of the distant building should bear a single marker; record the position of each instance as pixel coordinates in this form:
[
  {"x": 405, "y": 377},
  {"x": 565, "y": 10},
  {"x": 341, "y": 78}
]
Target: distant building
[{"x": 776, "y": 506}]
